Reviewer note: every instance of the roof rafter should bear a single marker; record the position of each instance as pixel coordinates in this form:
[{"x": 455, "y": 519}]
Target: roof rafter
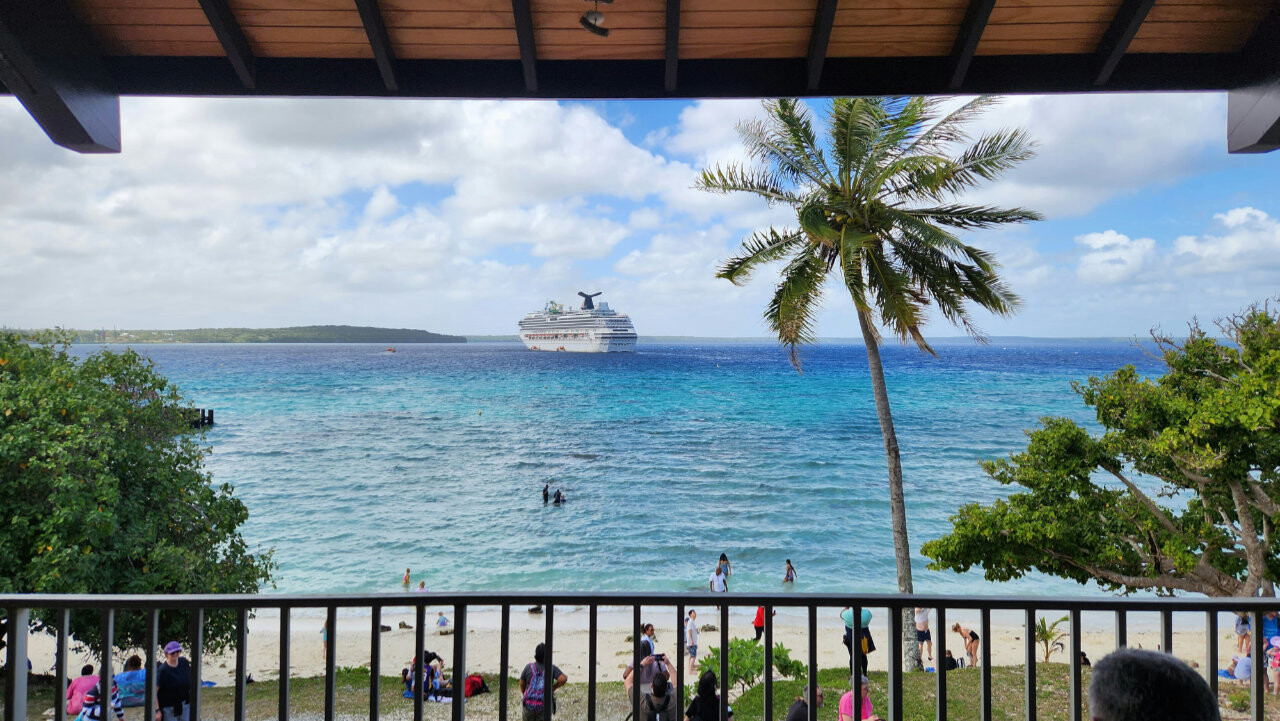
[
  {"x": 234, "y": 43},
  {"x": 528, "y": 51},
  {"x": 673, "y": 45},
  {"x": 376, "y": 29},
  {"x": 966, "y": 45},
  {"x": 1253, "y": 108},
  {"x": 824, "y": 17},
  {"x": 49, "y": 62},
  {"x": 1115, "y": 42}
]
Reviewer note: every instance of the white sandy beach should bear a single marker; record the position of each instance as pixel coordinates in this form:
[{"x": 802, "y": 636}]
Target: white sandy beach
[{"x": 613, "y": 651}]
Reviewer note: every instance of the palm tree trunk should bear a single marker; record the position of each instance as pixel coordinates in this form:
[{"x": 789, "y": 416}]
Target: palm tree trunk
[{"x": 897, "y": 506}]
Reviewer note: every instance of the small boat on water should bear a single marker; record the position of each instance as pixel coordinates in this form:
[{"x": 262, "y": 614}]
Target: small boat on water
[{"x": 391, "y": 350}]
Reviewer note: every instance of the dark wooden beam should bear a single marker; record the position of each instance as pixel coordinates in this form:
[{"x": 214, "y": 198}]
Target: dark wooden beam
[
  {"x": 376, "y": 29},
  {"x": 1253, "y": 108},
  {"x": 49, "y": 62},
  {"x": 823, "y": 18},
  {"x": 1115, "y": 42},
  {"x": 234, "y": 43},
  {"x": 528, "y": 51},
  {"x": 966, "y": 45},
  {"x": 673, "y": 45}
]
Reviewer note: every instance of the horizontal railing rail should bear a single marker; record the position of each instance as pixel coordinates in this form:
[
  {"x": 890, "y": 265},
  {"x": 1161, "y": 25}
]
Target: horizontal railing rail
[{"x": 19, "y": 608}]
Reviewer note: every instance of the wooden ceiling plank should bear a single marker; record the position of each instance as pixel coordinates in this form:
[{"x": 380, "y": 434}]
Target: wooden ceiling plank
[
  {"x": 524, "y": 36},
  {"x": 967, "y": 40},
  {"x": 376, "y": 29},
  {"x": 234, "y": 43},
  {"x": 51, "y": 65},
  {"x": 824, "y": 18},
  {"x": 671, "y": 53},
  {"x": 1115, "y": 42}
]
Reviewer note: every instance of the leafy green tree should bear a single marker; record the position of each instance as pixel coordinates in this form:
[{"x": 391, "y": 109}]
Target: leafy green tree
[
  {"x": 746, "y": 663},
  {"x": 1181, "y": 493},
  {"x": 102, "y": 490},
  {"x": 1048, "y": 635},
  {"x": 876, "y": 206}
]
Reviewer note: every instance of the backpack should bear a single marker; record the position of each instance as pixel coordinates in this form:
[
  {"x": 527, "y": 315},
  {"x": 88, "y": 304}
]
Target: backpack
[
  {"x": 474, "y": 684},
  {"x": 535, "y": 691}
]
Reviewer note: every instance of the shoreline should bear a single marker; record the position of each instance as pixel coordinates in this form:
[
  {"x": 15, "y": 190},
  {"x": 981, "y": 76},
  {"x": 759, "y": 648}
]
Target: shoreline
[{"x": 614, "y": 624}]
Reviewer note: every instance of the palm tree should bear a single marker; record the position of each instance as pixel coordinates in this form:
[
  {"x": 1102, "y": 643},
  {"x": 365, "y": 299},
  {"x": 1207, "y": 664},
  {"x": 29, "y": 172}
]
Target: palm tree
[{"x": 876, "y": 205}]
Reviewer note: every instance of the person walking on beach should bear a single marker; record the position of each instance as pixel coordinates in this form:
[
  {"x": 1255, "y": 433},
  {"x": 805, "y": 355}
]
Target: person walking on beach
[
  {"x": 1244, "y": 641},
  {"x": 758, "y": 622},
  {"x": 173, "y": 684},
  {"x": 789, "y": 576},
  {"x": 971, "y": 642},
  {"x": 922, "y": 631},
  {"x": 533, "y": 686},
  {"x": 691, "y": 639},
  {"x": 717, "y": 582},
  {"x": 442, "y": 623}
]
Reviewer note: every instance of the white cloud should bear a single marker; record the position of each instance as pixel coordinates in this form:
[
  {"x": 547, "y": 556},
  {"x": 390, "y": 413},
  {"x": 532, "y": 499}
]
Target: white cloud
[
  {"x": 1113, "y": 257},
  {"x": 1251, "y": 242}
]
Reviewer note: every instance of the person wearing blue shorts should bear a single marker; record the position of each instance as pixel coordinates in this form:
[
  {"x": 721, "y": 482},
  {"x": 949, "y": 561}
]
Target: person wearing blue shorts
[{"x": 691, "y": 639}]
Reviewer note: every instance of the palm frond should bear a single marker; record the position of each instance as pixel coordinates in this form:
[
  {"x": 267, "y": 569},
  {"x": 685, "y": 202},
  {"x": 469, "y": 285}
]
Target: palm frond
[
  {"x": 899, "y": 302},
  {"x": 760, "y": 248},
  {"x": 853, "y": 246},
  {"x": 951, "y": 128},
  {"x": 970, "y": 217},
  {"x": 795, "y": 301},
  {"x": 735, "y": 178},
  {"x": 989, "y": 157}
]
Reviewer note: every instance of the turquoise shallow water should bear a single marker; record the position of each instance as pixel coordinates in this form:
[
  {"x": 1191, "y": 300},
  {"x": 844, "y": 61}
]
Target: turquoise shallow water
[{"x": 356, "y": 463}]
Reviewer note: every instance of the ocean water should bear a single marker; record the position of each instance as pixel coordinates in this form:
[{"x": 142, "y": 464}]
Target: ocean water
[{"x": 356, "y": 463}]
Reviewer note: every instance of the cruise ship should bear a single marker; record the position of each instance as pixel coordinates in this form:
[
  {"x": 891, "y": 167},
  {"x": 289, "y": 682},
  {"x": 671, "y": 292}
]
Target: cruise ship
[{"x": 589, "y": 329}]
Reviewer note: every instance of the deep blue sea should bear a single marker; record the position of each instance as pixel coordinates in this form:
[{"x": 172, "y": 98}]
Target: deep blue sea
[{"x": 356, "y": 463}]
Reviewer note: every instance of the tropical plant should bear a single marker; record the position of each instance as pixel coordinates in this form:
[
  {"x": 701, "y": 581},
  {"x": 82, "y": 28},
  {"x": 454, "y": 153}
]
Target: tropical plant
[
  {"x": 1048, "y": 635},
  {"x": 104, "y": 491},
  {"x": 1206, "y": 433},
  {"x": 876, "y": 205},
  {"x": 746, "y": 663}
]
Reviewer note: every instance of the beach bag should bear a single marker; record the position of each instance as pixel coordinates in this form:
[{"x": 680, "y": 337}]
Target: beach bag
[
  {"x": 535, "y": 692},
  {"x": 473, "y": 685}
]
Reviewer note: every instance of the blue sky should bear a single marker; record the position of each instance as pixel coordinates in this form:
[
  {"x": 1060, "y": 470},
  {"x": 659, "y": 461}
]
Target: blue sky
[{"x": 459, "y": 216}]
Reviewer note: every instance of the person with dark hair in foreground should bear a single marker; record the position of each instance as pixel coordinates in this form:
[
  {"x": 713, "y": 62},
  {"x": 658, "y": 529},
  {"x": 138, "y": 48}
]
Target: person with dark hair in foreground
[{"x": 1136, "y": 685}]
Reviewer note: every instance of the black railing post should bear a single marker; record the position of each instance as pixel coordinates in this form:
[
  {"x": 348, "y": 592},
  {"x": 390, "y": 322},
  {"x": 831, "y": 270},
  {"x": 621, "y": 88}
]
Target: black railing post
[
  {"x": 1258, "y": 681},
  {"x": 1211, "y": 650},
  {"x": 985, "y": 673},
  {"x": 724, "y": 664},
  {"x": 15, "y": 707},
  {"x": 104, "y": 671},
  {"x": 242, "y": 651},
  {"x": 591, "y": 662},
  {"x": 636, "y": 657},
  {"x": 1029, "y": 634},
  {"x": 197, "y": 661},
  {"x": 330, "y": 663},
  {"x": 768, "y": 662},
  {"x": 548, "y": 663},
  {"x": 939, "y": 662},
  {"x": 504, "y": 662},
  {"x": 1122, "y": 629},
  {"x": 460, "y": 661},
  {"x": 812, "y": 682},
  {"x": 375, "y": 662},
  {"x": 153, "y": 642},
  {"x": 282, "y": 700},
  {"x": 1074, "y": 690},
  {"x": 60, "y": 663},
  {"x": 895, "y": 660},
  {"x": 1166, "y": 631},
  {"x": 418, "y": 666}
]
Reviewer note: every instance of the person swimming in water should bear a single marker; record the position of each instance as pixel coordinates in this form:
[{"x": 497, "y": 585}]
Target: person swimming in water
[{"x": 559, "y": 498}]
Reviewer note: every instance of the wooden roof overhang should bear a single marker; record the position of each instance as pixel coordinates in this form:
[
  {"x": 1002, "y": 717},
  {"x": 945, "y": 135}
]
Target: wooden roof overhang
[{"x": 69, "y": 60}]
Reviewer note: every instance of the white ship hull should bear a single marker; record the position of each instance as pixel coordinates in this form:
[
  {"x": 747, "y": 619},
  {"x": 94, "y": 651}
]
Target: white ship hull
[{"x": 570, "y": 344}]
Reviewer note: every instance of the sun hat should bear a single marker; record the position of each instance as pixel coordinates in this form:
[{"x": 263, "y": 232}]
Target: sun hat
[{"x": 172, "y": 647}]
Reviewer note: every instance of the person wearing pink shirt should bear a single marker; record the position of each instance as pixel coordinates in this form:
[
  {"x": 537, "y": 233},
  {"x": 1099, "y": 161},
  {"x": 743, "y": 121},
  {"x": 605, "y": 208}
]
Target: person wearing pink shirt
[
  {"x": 866, "y": 711},
  {"x": 78, "y": 688}
]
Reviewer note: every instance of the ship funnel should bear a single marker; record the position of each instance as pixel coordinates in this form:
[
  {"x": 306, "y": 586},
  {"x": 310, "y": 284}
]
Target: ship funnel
[{"x": 587, "y": 303}]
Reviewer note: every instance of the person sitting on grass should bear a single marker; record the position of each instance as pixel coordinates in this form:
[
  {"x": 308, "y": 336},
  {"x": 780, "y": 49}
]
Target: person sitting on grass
[
  {"x": 533, "y": 685},
  {"x": 706, "y": 704},
  {"x": 78, "y": 688},
  {"x": 92, "y": 710},
  {"x": 799, "y": 710},
  {"x": 1136, "y": 685},
  {"x": 865, "y": 710}
]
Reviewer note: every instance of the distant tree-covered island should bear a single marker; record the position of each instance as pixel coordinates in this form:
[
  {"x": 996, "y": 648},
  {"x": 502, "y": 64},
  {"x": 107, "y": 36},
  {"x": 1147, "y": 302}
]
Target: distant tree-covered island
[{"x": 299, "y": 334}]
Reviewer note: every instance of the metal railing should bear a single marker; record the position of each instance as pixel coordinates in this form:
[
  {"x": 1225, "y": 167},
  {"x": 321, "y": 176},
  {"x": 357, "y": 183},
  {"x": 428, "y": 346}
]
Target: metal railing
[{"x": 19, "y": 608}]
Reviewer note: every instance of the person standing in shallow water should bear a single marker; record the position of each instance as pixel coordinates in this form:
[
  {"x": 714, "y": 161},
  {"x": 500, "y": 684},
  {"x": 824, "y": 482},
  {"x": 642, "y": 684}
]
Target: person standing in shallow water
[
  {"x": 546, "y": 492},
  {"x": 790, "y": 575},
  {"x": 726, "y": 570}
]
